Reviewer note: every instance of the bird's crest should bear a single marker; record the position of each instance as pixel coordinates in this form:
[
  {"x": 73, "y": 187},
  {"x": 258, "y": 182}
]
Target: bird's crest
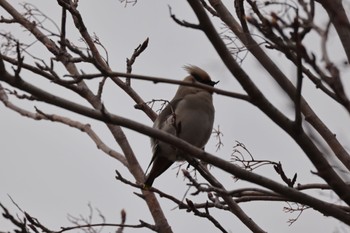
[
  {"x": 199, "y": 75},
  {"x": 197, "y": 72}
]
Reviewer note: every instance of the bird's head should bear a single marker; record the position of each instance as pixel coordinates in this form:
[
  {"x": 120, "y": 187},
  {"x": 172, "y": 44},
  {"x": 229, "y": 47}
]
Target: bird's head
[{"x": 198, "y": 75}]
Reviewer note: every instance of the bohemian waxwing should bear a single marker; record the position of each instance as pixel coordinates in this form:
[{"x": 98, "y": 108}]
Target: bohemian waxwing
[{"x": 189, "y": 116}]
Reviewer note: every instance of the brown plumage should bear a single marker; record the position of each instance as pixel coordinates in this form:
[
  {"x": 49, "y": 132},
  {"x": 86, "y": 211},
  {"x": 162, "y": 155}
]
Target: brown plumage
[{"x": 189, "y": 116}]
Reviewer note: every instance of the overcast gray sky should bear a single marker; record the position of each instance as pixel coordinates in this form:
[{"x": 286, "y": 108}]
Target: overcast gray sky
[{"x": 51, "y": 170}]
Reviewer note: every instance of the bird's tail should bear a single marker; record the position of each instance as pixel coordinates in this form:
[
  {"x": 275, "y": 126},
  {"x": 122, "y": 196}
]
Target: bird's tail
[{"x": 160, "y": 164}]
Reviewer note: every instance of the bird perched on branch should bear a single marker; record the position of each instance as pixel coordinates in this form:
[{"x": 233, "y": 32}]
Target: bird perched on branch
[{"x": 189, "y": 116}]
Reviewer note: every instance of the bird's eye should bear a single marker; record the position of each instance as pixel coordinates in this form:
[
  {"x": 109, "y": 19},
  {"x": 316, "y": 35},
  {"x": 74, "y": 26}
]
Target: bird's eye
[{"x": 197, "y": 78}]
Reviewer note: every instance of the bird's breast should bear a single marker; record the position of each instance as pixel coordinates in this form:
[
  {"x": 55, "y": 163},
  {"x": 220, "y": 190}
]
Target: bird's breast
[{"x": 195, "y": 118}]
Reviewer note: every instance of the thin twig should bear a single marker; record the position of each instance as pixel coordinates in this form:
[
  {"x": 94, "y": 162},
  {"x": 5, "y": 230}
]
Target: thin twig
[
  {"x": 131, "y": 61},
  {"x": 157, "y": 80},
  {"x": 183, "y": 22}
]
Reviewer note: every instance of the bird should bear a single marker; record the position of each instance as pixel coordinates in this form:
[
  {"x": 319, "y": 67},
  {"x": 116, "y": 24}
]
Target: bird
[{"x": 189, "y": 116}]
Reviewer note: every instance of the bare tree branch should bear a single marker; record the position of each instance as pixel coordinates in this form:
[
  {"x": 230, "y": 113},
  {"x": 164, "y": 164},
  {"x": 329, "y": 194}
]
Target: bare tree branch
[
  {"x": 230, "y": 168},
  {"x": 259, "y": 100},
  {"x": 281, "y": 31}
]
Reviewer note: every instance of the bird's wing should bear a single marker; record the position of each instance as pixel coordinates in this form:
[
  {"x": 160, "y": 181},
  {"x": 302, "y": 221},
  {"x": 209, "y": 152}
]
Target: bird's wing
[{"x": 163, "y": 122}]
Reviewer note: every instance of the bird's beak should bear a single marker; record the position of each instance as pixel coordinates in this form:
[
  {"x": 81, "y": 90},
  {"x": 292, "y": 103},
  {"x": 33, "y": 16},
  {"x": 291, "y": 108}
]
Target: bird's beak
[{"x": 212, "y": 83}]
